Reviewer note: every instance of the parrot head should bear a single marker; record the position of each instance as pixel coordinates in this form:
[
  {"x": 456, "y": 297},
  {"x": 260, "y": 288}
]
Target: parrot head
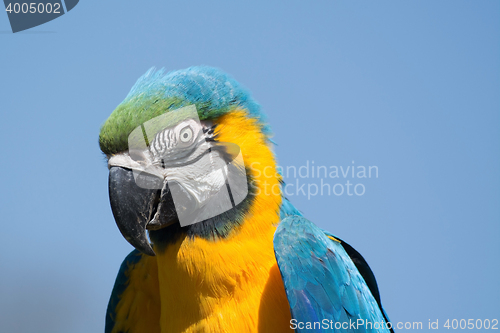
[{"x": 189, "y": 154}]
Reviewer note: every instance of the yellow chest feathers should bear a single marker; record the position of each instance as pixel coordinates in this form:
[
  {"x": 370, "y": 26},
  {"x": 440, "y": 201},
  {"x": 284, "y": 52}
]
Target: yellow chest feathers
[
  {"x": 229, "y": 285},
  {"x": 234, "y": 286}
]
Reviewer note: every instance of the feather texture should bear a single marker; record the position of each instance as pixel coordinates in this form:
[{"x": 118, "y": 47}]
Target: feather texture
[
  {"x": 134, "y": 305},
  {"x": 323, "y": 285},
  {"x": 248, "y": 272},
  {"x": 212, "y": 91}
]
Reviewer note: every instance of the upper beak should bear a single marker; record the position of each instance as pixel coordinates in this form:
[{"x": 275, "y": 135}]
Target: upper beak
[{"x": 133, "y": 207}]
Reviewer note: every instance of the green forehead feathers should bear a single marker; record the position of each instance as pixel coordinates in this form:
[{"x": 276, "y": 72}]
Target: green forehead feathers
[{"x": 213, "y": 93}]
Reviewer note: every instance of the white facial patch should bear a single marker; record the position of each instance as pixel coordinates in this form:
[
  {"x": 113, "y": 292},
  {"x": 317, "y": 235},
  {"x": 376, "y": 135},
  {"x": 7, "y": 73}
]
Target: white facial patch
[{"x": 206, "y": 178}]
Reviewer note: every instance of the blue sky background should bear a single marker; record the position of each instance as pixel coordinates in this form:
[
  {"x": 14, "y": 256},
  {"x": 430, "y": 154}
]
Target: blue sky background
[{"x": 411, "y": 87}]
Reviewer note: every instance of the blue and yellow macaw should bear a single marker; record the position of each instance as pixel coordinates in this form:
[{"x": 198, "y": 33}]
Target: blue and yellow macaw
[{"x": 258, "y": 267}]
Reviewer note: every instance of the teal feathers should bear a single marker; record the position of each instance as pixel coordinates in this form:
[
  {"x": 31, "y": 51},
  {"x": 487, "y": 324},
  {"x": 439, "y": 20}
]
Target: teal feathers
[
  {"x": 212, "y": 91},
  {"x": 323, "y": 285}
]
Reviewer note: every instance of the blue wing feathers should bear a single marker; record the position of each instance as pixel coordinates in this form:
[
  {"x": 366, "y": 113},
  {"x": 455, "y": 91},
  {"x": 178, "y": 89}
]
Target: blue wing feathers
[
  {"x": 321, "y": 280},
  {"x": 362, "y": 266}
]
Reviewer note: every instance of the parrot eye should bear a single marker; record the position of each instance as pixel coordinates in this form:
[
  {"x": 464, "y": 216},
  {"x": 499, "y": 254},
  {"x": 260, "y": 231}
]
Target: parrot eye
[{"x": 186, "y": 134}]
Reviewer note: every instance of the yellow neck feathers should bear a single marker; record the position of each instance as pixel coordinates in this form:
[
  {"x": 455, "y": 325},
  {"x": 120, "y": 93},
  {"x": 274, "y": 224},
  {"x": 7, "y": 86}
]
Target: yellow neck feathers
[{"x": 232, "y": 284}]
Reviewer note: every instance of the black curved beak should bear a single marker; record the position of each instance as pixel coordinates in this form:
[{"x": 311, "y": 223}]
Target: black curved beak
[{"x": 133, "y": 207}]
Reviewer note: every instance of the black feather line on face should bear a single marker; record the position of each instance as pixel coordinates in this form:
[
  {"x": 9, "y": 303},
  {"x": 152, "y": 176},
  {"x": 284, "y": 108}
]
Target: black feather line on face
[
  {"x": 209, "y": 130},
  {"x": 212, "y": 229}
]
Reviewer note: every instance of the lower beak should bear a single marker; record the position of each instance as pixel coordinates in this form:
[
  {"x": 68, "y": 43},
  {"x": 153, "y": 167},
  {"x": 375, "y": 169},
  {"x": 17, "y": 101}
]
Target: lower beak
[{"x": 133, "y": 207}]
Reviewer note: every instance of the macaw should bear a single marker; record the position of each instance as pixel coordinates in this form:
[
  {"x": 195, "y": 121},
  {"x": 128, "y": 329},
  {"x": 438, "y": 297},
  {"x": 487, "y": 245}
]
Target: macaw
[{"x": 259, "y": 266}]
